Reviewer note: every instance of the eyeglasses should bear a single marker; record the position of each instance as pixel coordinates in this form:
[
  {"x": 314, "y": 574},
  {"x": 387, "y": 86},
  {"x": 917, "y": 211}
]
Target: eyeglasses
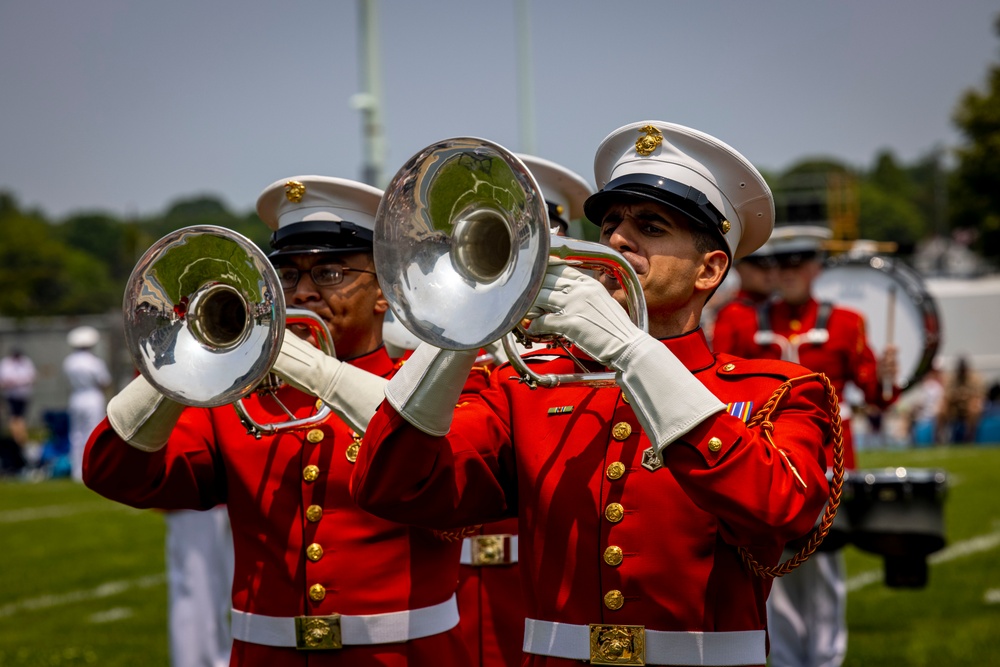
[{"x": 323, "y": 275}]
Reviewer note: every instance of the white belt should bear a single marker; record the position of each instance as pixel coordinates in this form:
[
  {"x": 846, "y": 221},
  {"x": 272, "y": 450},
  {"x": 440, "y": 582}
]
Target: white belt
[
  {"x": 336, "y": 631},
  {"x": 481, "y": 550},
  {"x": 628, "y": 644}
]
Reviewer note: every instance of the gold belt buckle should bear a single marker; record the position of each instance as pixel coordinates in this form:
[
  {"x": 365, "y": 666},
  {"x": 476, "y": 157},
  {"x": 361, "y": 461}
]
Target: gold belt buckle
[
  {"x": 318, "y": 633},
  {"x": 617, "y": 644},
  {"x": 489, "y": 550}
]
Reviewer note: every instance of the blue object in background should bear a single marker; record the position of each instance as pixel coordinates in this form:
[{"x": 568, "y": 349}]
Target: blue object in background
[{"x": 55, "y": 450}]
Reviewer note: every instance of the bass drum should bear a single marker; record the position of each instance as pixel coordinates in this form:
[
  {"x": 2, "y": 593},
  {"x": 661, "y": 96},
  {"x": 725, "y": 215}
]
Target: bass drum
[{"x": 896, "y": 306}]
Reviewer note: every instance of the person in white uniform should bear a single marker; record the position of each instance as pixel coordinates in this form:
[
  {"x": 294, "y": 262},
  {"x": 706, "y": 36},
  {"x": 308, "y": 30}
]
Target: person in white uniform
[
  {"x": 199, "y": 576},
  {"x": 88, "y": 379}
]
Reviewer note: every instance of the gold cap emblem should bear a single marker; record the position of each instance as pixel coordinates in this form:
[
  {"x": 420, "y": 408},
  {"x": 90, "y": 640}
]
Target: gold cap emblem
[
  {"x": 294, "y": 191},
  {"x": 648, "y": 142},
  {"x": 726, "y": 226}
]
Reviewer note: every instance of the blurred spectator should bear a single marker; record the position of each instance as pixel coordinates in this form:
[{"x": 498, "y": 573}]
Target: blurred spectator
[
  {"x": 989, "y": 423},
  {"x": 88, "y": 378},
  {"x": 927, "y": 407},
  {"x": 17, "y": 380},
  {"x": 962, "y": 404}
]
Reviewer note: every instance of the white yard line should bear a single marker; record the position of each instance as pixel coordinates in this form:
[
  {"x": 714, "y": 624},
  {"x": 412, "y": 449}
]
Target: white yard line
[
  {"x": 958, "y": 550},
  {"x": 57, "y": 511},
  {"x": 105, "y": 590}
]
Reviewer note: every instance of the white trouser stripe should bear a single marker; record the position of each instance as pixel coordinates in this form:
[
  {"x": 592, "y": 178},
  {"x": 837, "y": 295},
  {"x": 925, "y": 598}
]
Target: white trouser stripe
[
  {"x": 563, "y": 640},
  {"x": 397, "y": 626}
]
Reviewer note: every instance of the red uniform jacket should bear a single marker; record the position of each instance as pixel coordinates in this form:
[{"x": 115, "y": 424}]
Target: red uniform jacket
[
  {"x": 727, "y": 331},
  {"x": 368, "y": 565},
  {"x": 844, "y": 357},
  {"x": 560, "y": 457}
]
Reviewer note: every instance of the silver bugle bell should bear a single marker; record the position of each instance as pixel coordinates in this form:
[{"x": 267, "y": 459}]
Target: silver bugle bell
[
  {"x": 461, "y": 245},
  {"x": 204, "y": 321}
]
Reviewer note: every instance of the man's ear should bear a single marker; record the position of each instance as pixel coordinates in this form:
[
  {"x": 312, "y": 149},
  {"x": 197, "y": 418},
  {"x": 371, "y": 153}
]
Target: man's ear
[
  {"x": 381, "y": 304},
  {"x": 713, "y": 270}
]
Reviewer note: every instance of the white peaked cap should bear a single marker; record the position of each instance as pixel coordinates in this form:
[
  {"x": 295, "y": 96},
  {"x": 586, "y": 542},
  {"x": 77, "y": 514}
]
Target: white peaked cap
[
  {"x": 792, "y": 239},
  {"x": 321, "y": 212},
  {"x": 560, "y": 186},
  {"x": 690, "y": 171}
]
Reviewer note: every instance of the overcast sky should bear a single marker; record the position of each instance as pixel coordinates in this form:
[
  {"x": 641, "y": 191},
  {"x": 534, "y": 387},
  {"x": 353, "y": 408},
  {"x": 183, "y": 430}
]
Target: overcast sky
[{"x": 126, "y": 106}]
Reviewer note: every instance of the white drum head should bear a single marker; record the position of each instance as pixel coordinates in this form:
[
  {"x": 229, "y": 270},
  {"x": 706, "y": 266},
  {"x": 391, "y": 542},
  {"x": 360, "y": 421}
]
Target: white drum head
[{"x": 895, "y": 304}]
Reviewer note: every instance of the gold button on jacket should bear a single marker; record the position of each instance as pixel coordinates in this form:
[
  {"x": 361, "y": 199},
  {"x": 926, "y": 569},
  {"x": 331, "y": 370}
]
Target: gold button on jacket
[
  {"x": 714, "y": 444},
  {"x": 316, "y": 592},
  {"x": 616, "y": 470},
  {"x": 314, "y": 552},
  {"x": 614, "y": 512},
  {"x": 315, "y": 435},
  {"x": 310, "y": 473},
  {"x": 614, "y": 599},
  {"x": 613, "y": 555},
  {"x": 314, "y": 513},
  {"x": 621, "y": 431}
]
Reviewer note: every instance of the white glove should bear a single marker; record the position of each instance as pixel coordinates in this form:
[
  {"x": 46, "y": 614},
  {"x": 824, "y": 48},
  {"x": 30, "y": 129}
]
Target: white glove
[
  {"x": 578, "y": 307},
  {"x": 427, "y": 387},
  {"x": 354, "y": 394},
  {"x": 668, "y": 400},
  {"x": 142, "y": 416}
]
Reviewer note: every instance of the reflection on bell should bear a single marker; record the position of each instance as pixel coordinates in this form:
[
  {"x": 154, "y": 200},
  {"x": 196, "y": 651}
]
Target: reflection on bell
[{"x": 462, "y": 244}]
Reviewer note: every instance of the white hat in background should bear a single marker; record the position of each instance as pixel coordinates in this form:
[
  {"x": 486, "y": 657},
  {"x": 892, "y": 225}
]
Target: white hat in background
[
  {"x": 804, "y": 240},
  {"x": 564, "y": 191},
  {"x": 319, "y": 214},
  {"x": 689, "y": 171},
  {"x": 83, "y": 337}
]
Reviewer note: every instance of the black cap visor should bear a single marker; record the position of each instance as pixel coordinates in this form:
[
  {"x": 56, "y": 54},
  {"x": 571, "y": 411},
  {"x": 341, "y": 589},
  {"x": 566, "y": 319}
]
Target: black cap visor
[
  {"x": 675, "y": 195},
  {"x": 320, "y": 236}
]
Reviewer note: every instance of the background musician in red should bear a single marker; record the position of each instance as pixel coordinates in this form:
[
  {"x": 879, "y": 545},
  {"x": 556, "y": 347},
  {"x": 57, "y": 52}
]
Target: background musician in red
[
  {"x": 633, "y": 498},
  {"x": 807, "y": 608},
  {"x": 489, "y": 592},
  {"x": 758, "y": 275},
  {"x": 317, "y": 581}
]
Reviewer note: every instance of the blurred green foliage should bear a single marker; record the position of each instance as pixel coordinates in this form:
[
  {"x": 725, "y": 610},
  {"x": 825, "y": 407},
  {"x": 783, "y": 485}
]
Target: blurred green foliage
[{"x": 79, "y": 266}]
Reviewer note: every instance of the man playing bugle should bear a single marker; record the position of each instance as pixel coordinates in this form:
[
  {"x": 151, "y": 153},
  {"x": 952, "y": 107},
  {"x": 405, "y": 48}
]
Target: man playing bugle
[
  {"x": 633, "y": 500},
  {"x": 317, "y": 580}
]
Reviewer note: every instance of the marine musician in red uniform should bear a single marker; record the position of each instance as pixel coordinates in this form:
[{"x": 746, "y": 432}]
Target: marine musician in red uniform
[
  {"x": 318, "y": 581},
  {"x": 634, "y": 499}
]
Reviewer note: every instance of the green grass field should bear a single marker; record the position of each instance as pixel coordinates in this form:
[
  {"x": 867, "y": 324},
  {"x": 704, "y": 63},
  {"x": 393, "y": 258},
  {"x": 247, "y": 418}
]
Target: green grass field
[{"x": 82, "y": 579}]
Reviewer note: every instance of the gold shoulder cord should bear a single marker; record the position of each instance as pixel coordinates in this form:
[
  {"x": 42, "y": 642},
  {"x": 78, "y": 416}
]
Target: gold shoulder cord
[{"x": 819, "y": 532}]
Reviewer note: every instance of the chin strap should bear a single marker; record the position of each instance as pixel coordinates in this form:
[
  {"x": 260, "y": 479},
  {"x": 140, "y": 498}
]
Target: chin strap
[{"x": 818, "y": 533}]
